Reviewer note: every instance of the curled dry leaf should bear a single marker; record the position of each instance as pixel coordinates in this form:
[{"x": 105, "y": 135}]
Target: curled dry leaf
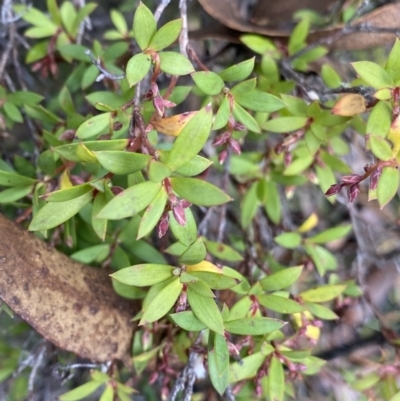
[
  {"x": 172, "y": 125},
  {"x": 72, "y": 305},
  {"x": 274, "y": 19}
]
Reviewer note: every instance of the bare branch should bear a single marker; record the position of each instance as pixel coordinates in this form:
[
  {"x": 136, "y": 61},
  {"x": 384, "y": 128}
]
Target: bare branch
[
  {"x": 183, "y": 38},
  {"x": 160, "y": 9},
  {"x": 104, "y": 72}
]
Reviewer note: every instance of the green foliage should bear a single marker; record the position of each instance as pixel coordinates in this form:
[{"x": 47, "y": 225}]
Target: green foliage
[{"x": 124, "y": 181}]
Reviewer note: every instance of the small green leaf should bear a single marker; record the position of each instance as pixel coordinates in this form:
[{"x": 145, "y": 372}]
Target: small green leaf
[
  {"x": 166, "y": 35},
  {"x": 366, "y": 382},
  {"x": 222, "y": 251},
  {"x": 280, "y": 304},
  {"x": 245, "y": 118},
  {"x": 388, "y": 185},
  {"x": 68, "y": 194},
  {"x": 191, "y": 140},
  {"x": 321, "y": 257},
  {"x": 392, "y": 63},
  {"x": 158, "y": 171},
  {"x": 320, "y": 311},
  {"x": 187, "y": 321},
  {"x": 8, "y": 179},
  {"x": 194, "y": 167},
  {"x": 152, "y": 214},
  {"x": 99, "y": 225},
  {"x": 323, "y": 293},
  {"x": 209, "y": 82},
  {"x": 373, "y": 74},
  {"x": 331, "y": 234},
  {"x": 120, "y": 162},
  {"x": 13, "y": 194},
  {"x": 285, "y": 124},
  {"x": 249, "y": 206},
  {"x": 380, "y": 119},
  {"x": 258, "y": 44},
  {"x": 197, "y": 285},
  {"x": 194, "y": 254},
  {"x": 298, "y": 36},
  {"x": 144, "y": 275},
  {"x": 94, "y": 126},
  {"x": 253, "y": 326},
  {"x": 80, "y": 392},
  {"x": 276, "y": 380},
  {"x": 282, "y": 279},
  {"x": 206, "y": 310},
  {"x": 137, "y": 68},
  {"x": 13, "y": 112},
  {"x": 55, "y": 213},
  {"x": 247, "y": 368},
  {"x": 223, "y": 113},
  {"x": 238, "y": 72},
  {"x": 218, "y": 362},
  {"x": 288, "y": 240},
  {"x": 144, "y": 26},
  {"x": 259, "y": 101},
  {"x": 271, "y": 200},
  {"x": 175, "y": 64},
  {"x": 162, "y": 302},
  {"x": 216, "y": 281},
  {"x": 91, "y": 254},
  {"x": 119, "y": 22},
  {"x": 131, "y": 201},
  {"x": 186, "y": 234},
  {"x": 330, "y": 76},
  {"x": 199, "y": 192}
]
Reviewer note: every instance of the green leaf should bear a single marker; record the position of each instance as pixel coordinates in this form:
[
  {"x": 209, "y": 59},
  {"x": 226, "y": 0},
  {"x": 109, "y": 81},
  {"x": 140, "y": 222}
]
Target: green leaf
[
  {"x": 69, "y": 151},
  {"x": 12, "y": 111},
  {"x": 199, "y": 192},
  {"x": 121, "y": 162},
  {"x": 80, "y": 392},
  {"x": 259, "y": 101},
  {"x": 152, "y": 214},
  {"x": 271, "y": 200},
  {"x": 166, "y": 35},
  {"x": 119, "y": 22},
  {"x": 285, "y": 124},
  {"x": 280, "y": 304},
  {"x": 144, "y": 26},
  {"x": 218, "y": 362},
  {"x": 245, "y": 118},
  {"x": 175, "y": 64},
  {"x": 330, "y": 77},
  {"x": 206, "y": 310},
  {"x": 282, "y": 279},
  {"x": 249, "y": 206},
  {"x": 373, "y": 74},
  {"x": 223, "y": 113},
  {"x": 253, "y": 326},
  {"x": 82, "y": 13},
  {"x": 158, "y": 171},
  {"x": 194, "y": 167},
  {"x": 222, "y": 251},
  {"x": 144, "y": 275},
  {"x": 366, "y": 382},
  {"x": 197, "y": 286},
  {"x": 186, "y": 234},
  {"x": 162, "y": 302},
  {"x": 299, "y": 165},
  {"x": 258, "y": 44},
  {"x": 55, "y": 213},
  {"x": 298, "y": 36},
  {"x": 331, "y": 234},
  {"x": 94, "y": 126},
  {"x": 68, "y": 194},
  {"x": 216, "y": 281},
  {"x": 108, "y": 393},
  {"x": 393, "y": 61},
  {"x": 324, "y": 293},
  {"x": 388, "y": 185},
  {"x": 288, "y": 240},
  {"x": 321, "y": 257},
  {"x": 13, "y": 194},
  {"x": 276, "y": 380},
  {"x": 131, "y": 201},
  {"x": 8, "y": 179},
  {"x": 99, "y": 225},
  {"x": 247, "y": 368},
  {"x": 91, "y": 254},
  {"x": 194, "y": 254},
  {"x": 209, "y": 82},
  {"x": 320, "y": 311},
  {"x": 191, "y": 140},
  {"x": 137, "y": 68},
  {"x": 380, "y": 119},
  {"x": 238, "y": 72},
  {"x": 187, "y": 321}
]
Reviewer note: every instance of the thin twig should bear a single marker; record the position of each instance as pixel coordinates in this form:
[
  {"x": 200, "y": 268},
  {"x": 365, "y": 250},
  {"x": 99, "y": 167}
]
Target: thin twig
[
  {"x": 183, "y": 38},
  {"x": 160, "y": 9},
  {"x": 224, "y": 187},
  {"x": 104, "y": 72},
  {"x": 86, "y": 23}
]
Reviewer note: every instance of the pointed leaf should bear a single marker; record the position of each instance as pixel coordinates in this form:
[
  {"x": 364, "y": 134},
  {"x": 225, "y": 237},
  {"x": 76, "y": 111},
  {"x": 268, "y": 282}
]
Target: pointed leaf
[
  {"x": 238, "y": 72},
  {"x": 323, "y": 293},
  {"x": 188, "y": 321},
  {"x": 144, "y": 26},
  {"x": 175, "y": 64},
  {"x": 388, "y": 185},
  {"x": 247, "y": 368},
  {"x": 253, "y": 326},
  {"x": 143, "y": 275},
  {"x": 209, "y": 82},
  {"x": 94, "y": 126},
  {"x": 282, "y": 279},
  {"x": 280, "y": 304},
  {"x": 166, "y": 35},
  {"x": 276, "y": 380},
  {"x": 137, "y": 68},
  {"x": 373, "y": 74},
  {"x": 194, "y": 254}
]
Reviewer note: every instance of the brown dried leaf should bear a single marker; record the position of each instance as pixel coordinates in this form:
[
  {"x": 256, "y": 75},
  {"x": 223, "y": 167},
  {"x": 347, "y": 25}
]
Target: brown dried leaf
[
  {"x": 172, "y": 125},
  {"x": 350, "y": 105},
  {"x": 72, "y": 305}
]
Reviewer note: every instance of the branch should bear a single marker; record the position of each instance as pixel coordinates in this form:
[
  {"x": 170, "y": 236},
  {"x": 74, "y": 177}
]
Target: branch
[{"x": 104, "y": 72}]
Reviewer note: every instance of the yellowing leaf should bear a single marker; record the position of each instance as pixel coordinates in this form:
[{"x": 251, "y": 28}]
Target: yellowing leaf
[
  {"x": 172, "y": 125},
  {"x": 394, "y": 135},
  {"x": 309, "y": 224},
  {"x": 205, "y": 267},
  {"x": 312, "y": 332},
  {"x": 350, "y": 105}
]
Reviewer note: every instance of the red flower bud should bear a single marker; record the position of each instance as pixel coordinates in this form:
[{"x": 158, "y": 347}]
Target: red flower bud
[
  {"x": 68, "y": 135},
  {"x": 222, "y": 156},
  {"x": 334, "y": 189},
  {"x": 287, "y": 158},
  {"x": 353, "y": 191},
  {"x": 376, "y": 174},
  {"x": 221, "y": 139},
  {"x": 163, "y": 226},
  {"x": 351, "y": 179},
  {"x": 168, "y": 104},
  {"x": 117, "y": 190},
  {"x": 235, "y": 146},
  {"x": 158, "y": 103},
  {"x": 179, "y": 213},
  {"x": 185, "y": 204},
  {"x": 239, "y": 126}
]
